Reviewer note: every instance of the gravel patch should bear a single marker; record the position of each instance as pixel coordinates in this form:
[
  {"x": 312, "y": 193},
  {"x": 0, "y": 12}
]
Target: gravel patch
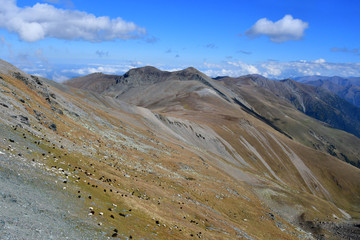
[{"x": 31, "y": 208}]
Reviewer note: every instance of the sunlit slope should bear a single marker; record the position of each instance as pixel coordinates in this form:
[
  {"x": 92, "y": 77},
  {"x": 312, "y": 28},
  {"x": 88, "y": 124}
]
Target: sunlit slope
[
  {"x": 270, "y": 99},
  {"x": 195, "y": 165}
]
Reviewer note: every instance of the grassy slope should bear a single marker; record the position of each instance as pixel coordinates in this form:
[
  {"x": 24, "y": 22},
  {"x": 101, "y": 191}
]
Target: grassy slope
[
  {"x": 151, "y": 183},
  {"x": 302, "y": 128},
  {"x": 167, "y": 181}
]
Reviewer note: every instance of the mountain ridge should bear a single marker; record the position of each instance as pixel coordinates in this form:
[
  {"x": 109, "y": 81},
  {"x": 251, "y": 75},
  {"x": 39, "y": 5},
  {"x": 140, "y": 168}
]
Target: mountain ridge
[
  {"x": 346, "y": 88},
  {"x": 150, "y": 163},
  {"x": 304, "y": 97}
]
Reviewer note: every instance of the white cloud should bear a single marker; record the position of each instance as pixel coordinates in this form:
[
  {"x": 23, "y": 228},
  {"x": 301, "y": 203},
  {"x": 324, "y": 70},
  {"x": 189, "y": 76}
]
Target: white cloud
[
  {"x": 320, "y": 60},
  {"x": 211, "y": 65},
  {"x": 229, "y": 68},
  {"x": 271, "y": 70},
  {"x": 282, "y": 70},
  {"x": 107, "y": 69},
  {"x": 59, "y": 78},
  {"x": 283, "y": 30},
  {"x": 303, "y": 68},
  {"x": 246, "y": 68},
  {"x": 43, "y": 20},
  {"x": 89, "y": 70}
]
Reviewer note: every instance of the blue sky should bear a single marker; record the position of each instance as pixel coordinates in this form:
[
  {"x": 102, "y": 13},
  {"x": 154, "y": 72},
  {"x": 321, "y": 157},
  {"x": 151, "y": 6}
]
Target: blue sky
[{"x": 59, "y": 39}]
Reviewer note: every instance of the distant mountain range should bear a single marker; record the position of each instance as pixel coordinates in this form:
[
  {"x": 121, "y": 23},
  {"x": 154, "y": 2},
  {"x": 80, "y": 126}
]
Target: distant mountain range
[
  {"x": 152, "y": 88},
  {"x": 147, "y": 86},
  {"x": 314, "y": 101},
  {"x": 346, "y": 88}
]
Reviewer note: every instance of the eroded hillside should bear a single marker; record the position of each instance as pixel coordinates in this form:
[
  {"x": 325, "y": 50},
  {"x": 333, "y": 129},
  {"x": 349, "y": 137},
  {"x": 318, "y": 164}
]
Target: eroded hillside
[{"x": 192, "y": 164}]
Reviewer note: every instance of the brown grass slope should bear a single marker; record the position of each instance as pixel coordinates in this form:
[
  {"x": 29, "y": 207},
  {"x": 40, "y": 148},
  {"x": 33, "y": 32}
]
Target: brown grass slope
[
  {"x": 96, "y": 82},
  {"x": 315, "y": 102},
  {"x": 277, "y": 102},
  {"x": 193, "y": 166}
]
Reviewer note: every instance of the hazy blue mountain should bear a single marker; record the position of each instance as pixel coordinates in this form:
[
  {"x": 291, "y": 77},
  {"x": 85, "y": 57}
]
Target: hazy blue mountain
[{"x": 346, "y": 88}]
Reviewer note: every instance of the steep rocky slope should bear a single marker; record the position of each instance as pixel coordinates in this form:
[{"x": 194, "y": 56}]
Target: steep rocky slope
[
  {"x": 277, "y": 101},
  {"x": 195, "y": 165},
  {"x": 315, "y": 102},
  {"x": 263, "y": 98}
]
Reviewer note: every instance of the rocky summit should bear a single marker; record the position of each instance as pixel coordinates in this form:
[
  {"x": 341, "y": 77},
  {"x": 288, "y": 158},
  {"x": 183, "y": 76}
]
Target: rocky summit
[{"x": 176, "y": 155}]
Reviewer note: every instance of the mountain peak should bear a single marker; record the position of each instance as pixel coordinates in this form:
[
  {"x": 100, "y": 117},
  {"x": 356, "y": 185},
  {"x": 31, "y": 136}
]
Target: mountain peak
[
  {"x": 143, "y": 70},
  {"x": 191, "y": 69},
  {"x": 96, "y": 74},
  {"x": 190, "y": 73},
  {"x": 255, "y": 75}
]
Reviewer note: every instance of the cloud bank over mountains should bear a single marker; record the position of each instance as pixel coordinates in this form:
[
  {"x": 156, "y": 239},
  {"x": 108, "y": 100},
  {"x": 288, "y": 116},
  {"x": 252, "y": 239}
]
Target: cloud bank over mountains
[
  {"x": 44, "y": 20},
  {"x": 235, "y": 68},
  {"x": 282, "y": 70}
]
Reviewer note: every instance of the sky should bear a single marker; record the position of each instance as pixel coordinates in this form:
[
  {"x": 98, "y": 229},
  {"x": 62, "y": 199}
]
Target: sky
[{"x": 61, "y": 39}]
